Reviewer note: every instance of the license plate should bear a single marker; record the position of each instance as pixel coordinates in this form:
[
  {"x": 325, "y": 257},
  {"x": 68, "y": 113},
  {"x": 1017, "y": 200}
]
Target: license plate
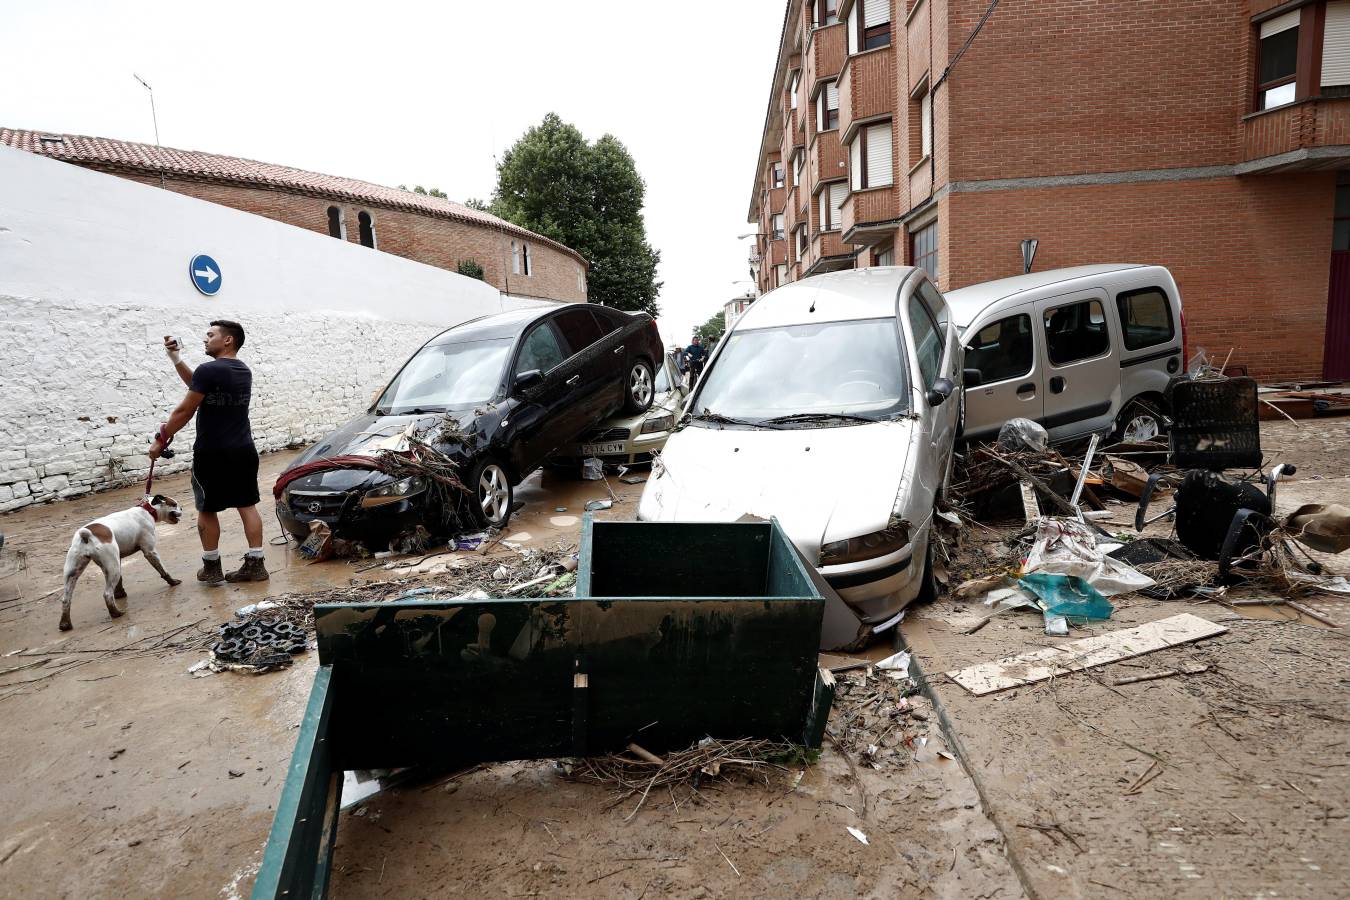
[{"x": 609, "y": 449}]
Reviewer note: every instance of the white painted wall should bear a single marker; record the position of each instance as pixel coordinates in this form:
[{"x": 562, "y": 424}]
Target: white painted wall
[{"x": 93, "y": 273}]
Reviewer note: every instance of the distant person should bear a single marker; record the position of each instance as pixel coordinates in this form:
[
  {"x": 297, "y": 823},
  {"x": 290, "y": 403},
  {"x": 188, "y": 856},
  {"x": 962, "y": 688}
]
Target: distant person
[
  {"x": 224, "y": 459},
  {"x": 697, "y": 355}
]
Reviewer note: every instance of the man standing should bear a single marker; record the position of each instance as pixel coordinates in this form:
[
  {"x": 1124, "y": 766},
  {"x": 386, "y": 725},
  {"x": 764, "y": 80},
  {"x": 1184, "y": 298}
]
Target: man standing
[
  {"x": 224, "y": 460},
  {"x": 695, "y": 353}
]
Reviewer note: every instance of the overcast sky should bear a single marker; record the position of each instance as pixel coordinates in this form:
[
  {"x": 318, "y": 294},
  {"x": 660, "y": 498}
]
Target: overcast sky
[{"x": 428, "y": 94}]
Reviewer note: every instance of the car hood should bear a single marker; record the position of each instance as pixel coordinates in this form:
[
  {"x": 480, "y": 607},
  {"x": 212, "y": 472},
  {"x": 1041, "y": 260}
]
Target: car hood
[
  {"x": 364, "y": 435},
  {"x": 823, "y": 484}
]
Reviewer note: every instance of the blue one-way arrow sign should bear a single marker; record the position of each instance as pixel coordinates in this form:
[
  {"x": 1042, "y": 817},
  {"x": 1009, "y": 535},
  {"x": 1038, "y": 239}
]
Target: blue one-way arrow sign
[{"x": 205, "y": 274}]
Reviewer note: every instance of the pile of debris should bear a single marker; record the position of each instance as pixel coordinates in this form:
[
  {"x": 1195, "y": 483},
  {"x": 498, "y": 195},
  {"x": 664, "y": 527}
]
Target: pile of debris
[{"x": 879, "y": 717}]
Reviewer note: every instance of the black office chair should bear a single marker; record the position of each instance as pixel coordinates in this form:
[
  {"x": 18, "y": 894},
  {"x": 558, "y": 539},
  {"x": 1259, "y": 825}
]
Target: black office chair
[{"x": 1216, "y": 427}]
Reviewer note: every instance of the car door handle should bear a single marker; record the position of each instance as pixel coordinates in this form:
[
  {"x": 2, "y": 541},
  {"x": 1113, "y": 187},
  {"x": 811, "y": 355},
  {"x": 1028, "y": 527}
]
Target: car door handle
[
  {"x": 573, "y": 381},
  {"x": 1057, "y": 385},
  {"x": 1027, "y": 390},
  {"x": 618, "y": 351}
]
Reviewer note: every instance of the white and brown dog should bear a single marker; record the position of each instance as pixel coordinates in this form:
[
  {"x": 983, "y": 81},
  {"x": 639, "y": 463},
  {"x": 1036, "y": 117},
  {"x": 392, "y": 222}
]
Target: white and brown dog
[{"x": 109, "y": 540}]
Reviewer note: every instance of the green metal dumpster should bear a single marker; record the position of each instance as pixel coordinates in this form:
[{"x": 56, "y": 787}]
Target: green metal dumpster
[{"x": 677, "y": 631}]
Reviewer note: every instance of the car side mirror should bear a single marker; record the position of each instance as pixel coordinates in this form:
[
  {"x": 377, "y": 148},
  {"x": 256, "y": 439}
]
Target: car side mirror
[
  {"x": 940, "y": 391},
  {"x": 972, "y": 377},
  {"x": 528, "y": 379}
]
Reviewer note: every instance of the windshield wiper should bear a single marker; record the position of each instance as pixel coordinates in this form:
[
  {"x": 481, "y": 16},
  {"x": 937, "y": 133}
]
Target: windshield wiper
[
  {"x": 820, "y": 417},
  {"x": 719, "y": 419}
]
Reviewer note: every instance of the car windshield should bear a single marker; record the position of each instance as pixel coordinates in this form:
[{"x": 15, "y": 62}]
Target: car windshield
[
  {"x": 444, "y": 376},
  {"x": 826, "y": 373}
]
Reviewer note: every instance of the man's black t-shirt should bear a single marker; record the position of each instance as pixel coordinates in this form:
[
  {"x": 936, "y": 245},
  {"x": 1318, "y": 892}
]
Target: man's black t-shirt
[{"x": 222, "y": 419}]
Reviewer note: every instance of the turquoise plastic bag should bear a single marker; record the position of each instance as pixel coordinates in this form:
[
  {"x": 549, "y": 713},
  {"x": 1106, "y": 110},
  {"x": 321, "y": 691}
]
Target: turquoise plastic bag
[{"x": 1068, "y": 595}]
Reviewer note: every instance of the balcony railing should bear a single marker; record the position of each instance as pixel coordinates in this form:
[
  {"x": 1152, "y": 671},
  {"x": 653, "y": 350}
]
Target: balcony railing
[
  {"x": 1312, "y": 126},
  {"x": 867, "y": 87},
  {"x": 866, "y": 208}
]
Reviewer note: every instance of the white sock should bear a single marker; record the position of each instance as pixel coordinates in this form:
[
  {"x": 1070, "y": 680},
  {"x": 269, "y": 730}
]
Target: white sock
[
  {"x": 255, "y": 551},
  {"x": 211, "y": 555}
]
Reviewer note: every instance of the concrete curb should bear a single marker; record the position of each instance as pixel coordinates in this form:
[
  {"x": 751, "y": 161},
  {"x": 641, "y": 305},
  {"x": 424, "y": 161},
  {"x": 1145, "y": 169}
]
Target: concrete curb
[{"x": 921, "y": 678}]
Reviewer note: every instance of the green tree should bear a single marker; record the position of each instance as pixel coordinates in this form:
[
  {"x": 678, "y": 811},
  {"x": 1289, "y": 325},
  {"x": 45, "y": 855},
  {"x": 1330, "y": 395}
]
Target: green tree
[
  {"x": 476, "y": 203},
  {"x": 471, "y": 268},
  {"x": 589, "y": 197},
  {"x": 434, "y": 192},
  {"x": 712, "y": 330}
]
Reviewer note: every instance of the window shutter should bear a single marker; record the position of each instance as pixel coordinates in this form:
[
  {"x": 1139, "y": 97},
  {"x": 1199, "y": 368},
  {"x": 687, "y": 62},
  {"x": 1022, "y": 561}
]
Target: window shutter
[
  {"x": 855, "y": 164},
  {"x": 1336, "y": 44},
  {"x": 853, "y": 29},
  {"x": 838, "y": 194},
  {"x": 820, "y": 111},
  {"x": 876, "y": 12},
  {"x": 926, "y": 124},
  {"x": 1280, "y": 23},
  {"x": 879, "y": 155},
  {"x": 832, "y": 95},
  {"x": 824, "y": 220}
]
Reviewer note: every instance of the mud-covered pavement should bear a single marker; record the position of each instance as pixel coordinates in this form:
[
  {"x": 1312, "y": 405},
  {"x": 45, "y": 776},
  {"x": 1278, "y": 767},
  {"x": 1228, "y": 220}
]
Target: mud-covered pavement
[
  {"x": 1232, "y": 782},
  {"x": 129, "y": 777}
]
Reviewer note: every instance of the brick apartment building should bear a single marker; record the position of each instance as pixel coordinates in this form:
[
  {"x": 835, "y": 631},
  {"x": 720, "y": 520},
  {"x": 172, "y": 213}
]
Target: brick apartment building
[
  {"x": 415, "y": 226},
  {"x": 1209, "y": 136}
]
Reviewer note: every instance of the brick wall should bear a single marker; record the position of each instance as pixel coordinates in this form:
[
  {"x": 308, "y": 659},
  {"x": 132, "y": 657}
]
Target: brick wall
[
  {"x": 1250, "y": 255},
  {"x": 1063, "y": 87},
  {"x": 443, "y": 243}
]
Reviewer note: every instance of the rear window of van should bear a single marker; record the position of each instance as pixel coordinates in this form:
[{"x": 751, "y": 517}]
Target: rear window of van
[{"x": 1145, "y": 317}]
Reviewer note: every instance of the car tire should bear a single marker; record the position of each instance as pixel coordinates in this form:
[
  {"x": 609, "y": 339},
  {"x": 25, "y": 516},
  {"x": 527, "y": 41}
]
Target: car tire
[
  {"x": 638, "y": 388},
  {"x": 928, "y": 587},
  {"x": 490, "y": 494},
  {"x": 1138, "y": 422}
]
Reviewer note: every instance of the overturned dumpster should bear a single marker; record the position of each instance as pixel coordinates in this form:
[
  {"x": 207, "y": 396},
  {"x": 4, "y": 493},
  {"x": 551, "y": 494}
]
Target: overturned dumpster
[{"x": 677, "y": 631}]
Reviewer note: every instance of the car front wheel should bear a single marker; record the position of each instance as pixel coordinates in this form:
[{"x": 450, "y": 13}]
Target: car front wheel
[
  {"x": 640, "y": 391},
  {"x": 492, "y": 494}
]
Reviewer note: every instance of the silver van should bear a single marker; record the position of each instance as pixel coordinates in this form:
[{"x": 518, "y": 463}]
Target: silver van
[{"x": 1080, "y": 350}]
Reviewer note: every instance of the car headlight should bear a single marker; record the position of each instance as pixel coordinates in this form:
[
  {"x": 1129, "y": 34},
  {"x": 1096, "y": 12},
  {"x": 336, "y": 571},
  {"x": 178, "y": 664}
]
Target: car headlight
[
  {"x": 868, "y": 546},
  {"x": 394, "y": 492},
  {"x": 658, "y": 423}
]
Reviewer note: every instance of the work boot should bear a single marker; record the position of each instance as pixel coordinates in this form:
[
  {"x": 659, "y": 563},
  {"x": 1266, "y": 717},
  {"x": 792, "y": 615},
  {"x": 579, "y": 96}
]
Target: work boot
[
  {"x": 252, "y": 570},
  {"x": 210, "y": 572}
]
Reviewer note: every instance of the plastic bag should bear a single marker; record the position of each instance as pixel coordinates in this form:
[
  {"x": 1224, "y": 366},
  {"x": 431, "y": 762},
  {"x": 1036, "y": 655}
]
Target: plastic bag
[
  {"x": 1068, "y": 547},
  {"x": 1067, "y": 595},
  {"x": 1023, "y": 434}
]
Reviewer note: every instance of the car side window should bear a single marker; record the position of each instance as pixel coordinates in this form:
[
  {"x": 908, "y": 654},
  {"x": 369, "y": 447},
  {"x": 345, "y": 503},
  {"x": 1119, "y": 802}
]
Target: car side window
[
  {"x": 1075, "y": 332},
  {"x": 936, "y": 304},
  {"x": 609, "y": 322},
  {"x": 927, "y": 340},
  {"x": 1002, "y": 349},
  {"x": 1145, "y": 317},
  {"x": 540, "y": 350},
  {"x": 579, "y": 329}
]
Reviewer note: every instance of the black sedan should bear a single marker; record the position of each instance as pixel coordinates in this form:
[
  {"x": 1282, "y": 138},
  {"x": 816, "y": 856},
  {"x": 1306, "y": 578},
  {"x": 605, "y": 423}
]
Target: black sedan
[{"x": 496, "y": 395}]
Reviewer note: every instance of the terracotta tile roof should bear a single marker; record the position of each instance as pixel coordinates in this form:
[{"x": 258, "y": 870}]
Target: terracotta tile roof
[{"x": 148, "y": 158}]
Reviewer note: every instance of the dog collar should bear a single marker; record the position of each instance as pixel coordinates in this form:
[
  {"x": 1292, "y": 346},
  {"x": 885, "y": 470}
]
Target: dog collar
[{"x": 145, "y": 505}]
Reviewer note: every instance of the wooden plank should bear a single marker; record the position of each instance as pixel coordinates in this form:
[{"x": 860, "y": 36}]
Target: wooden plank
[
  {"x": 300, "y": 845},
  {"x": 1030, "y": 508},
  {"x": 1075, "y": 656}
]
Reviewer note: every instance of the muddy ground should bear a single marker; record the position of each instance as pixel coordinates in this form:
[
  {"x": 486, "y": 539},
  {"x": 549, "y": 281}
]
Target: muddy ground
[
  {"x": 1250, "y": 784},
  {"x": 127, "y": 776}
]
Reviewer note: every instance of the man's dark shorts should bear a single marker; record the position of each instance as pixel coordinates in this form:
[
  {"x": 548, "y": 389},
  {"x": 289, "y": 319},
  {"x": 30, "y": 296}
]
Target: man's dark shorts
[{"x": 224, "y": 479}]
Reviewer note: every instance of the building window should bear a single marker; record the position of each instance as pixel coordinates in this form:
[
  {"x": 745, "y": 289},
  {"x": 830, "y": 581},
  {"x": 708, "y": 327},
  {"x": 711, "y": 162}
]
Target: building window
[
  {"x": 869, "y": 25},
  {"x": 926, "y": 123},
  {"x": 827, "y": 107},
  {"x": 515, "y": 258},
  {"x": 1277, "y": 67},
  {"x": 797, "y": 169},
  {"x": 884, "y": 256},
  {"x": 923, "y": 250},
  {"x": 780, "y": 275},
  {"x": 827, "y": 12},
  {"x": 337, "y": 224},
  {"x": 1340, "y": 226},
  {"x": 1336, "y": 45},
  {"x": 778, "y": 226},
  {"x": 776, "y": 173},
  {"x": 527, "y": 261},
  {"x": 801, "y": 242},
  {"x": 366, "y": 226},
  {"x": 792, "y": 96},
  {"x": 831, "y": 205},
  {"x": 870, "y": 157}
]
